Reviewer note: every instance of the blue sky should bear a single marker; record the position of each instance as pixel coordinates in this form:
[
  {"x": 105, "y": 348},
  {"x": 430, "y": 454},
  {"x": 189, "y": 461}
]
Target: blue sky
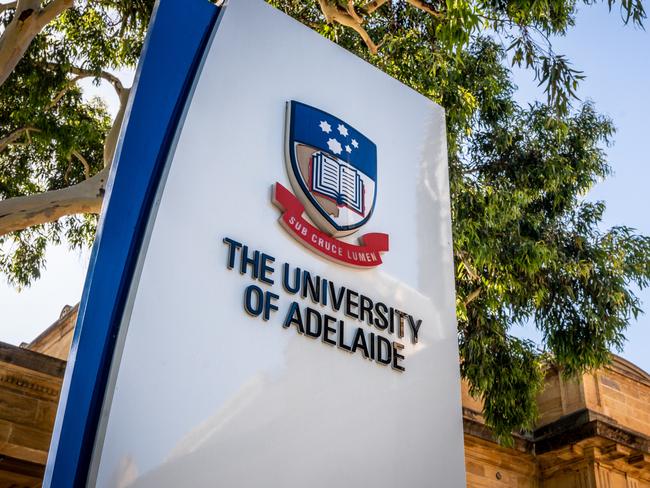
[{"x": 616, "y": 60}]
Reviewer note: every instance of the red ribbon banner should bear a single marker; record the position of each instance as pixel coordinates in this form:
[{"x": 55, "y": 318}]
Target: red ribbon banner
[{"x": 365, "y": 256}]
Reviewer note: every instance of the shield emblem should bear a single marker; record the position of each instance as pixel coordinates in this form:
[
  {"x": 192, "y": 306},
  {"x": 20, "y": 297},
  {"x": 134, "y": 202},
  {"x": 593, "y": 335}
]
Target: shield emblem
[{"x": 332, "y": 168}]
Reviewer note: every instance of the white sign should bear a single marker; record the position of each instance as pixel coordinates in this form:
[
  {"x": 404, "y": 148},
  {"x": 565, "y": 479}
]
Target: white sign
[{"x": 293, "y": 323}]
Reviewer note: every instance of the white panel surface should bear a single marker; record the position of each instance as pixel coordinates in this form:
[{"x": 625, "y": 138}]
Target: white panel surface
[{"x": 206, "y": 395}]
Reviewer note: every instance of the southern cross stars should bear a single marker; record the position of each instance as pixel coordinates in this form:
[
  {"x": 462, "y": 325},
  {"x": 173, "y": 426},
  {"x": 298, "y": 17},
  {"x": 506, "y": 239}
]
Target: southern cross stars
[
  {"x": 334, "y": 146},
  {"x": 332, "y": 143}
]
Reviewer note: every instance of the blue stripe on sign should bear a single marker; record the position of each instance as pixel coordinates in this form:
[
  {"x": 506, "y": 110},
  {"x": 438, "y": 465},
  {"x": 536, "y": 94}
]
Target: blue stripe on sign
[{"x": 176, "y": 42}]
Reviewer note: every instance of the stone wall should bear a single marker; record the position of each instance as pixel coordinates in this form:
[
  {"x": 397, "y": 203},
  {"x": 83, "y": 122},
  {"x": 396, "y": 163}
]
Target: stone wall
[
  {"x": 29, "y": 392},
  {"x": 592, "y": 432},
  {"x": 56, "y": 339}
]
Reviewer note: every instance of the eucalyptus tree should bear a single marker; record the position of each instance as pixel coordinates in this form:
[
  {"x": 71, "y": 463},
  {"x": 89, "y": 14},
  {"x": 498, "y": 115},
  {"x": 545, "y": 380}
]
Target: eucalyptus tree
[{"x": 528, "y": 246}]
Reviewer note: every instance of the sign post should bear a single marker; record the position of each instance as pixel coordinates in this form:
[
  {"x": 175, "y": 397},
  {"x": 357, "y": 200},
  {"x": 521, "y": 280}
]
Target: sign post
[{"x": 271, "y": 299}]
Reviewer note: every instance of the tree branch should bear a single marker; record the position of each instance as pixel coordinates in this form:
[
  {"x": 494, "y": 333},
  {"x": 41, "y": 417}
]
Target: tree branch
[
  {"x": 470, "y": 270},
  {"x": 473, "y": 296},
  {"x": 53, "y": 9},
  {"x": 28, "y": 21},
  {"x": 15, "y": 135},
  {"x": 7, "y": 6},
  {"x": 105, "y": 75},
  {"x": 83, "y": 161},
  {"x": 63, "y": 91},
  {"x": 87, "y": 73},
  {"x": 22, "y": 212},
  {"x": 111, "y": 138},
  {"x": 349, "y": 17},
  {"x": 370, "y": 7},
  {"x": 424, "y": 7},
  {"x": 333, "y": 13},
  {"x": 353, "y": 12}
]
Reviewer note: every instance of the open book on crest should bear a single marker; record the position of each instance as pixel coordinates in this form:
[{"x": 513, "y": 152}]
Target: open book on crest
[{"x": 338, "y": 181}]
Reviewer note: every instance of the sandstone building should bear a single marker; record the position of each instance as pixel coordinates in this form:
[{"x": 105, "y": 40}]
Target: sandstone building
[{"x": 593, "y": 432}]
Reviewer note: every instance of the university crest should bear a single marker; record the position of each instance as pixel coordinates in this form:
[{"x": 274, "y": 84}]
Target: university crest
[{"x": 333, "y": 172}]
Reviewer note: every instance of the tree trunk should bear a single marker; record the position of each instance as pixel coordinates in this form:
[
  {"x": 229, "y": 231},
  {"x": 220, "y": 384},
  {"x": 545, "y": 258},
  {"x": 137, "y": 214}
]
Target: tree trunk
[
  {"x": 28, "y": 21},
  {"x": 22, "y": 212}
]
